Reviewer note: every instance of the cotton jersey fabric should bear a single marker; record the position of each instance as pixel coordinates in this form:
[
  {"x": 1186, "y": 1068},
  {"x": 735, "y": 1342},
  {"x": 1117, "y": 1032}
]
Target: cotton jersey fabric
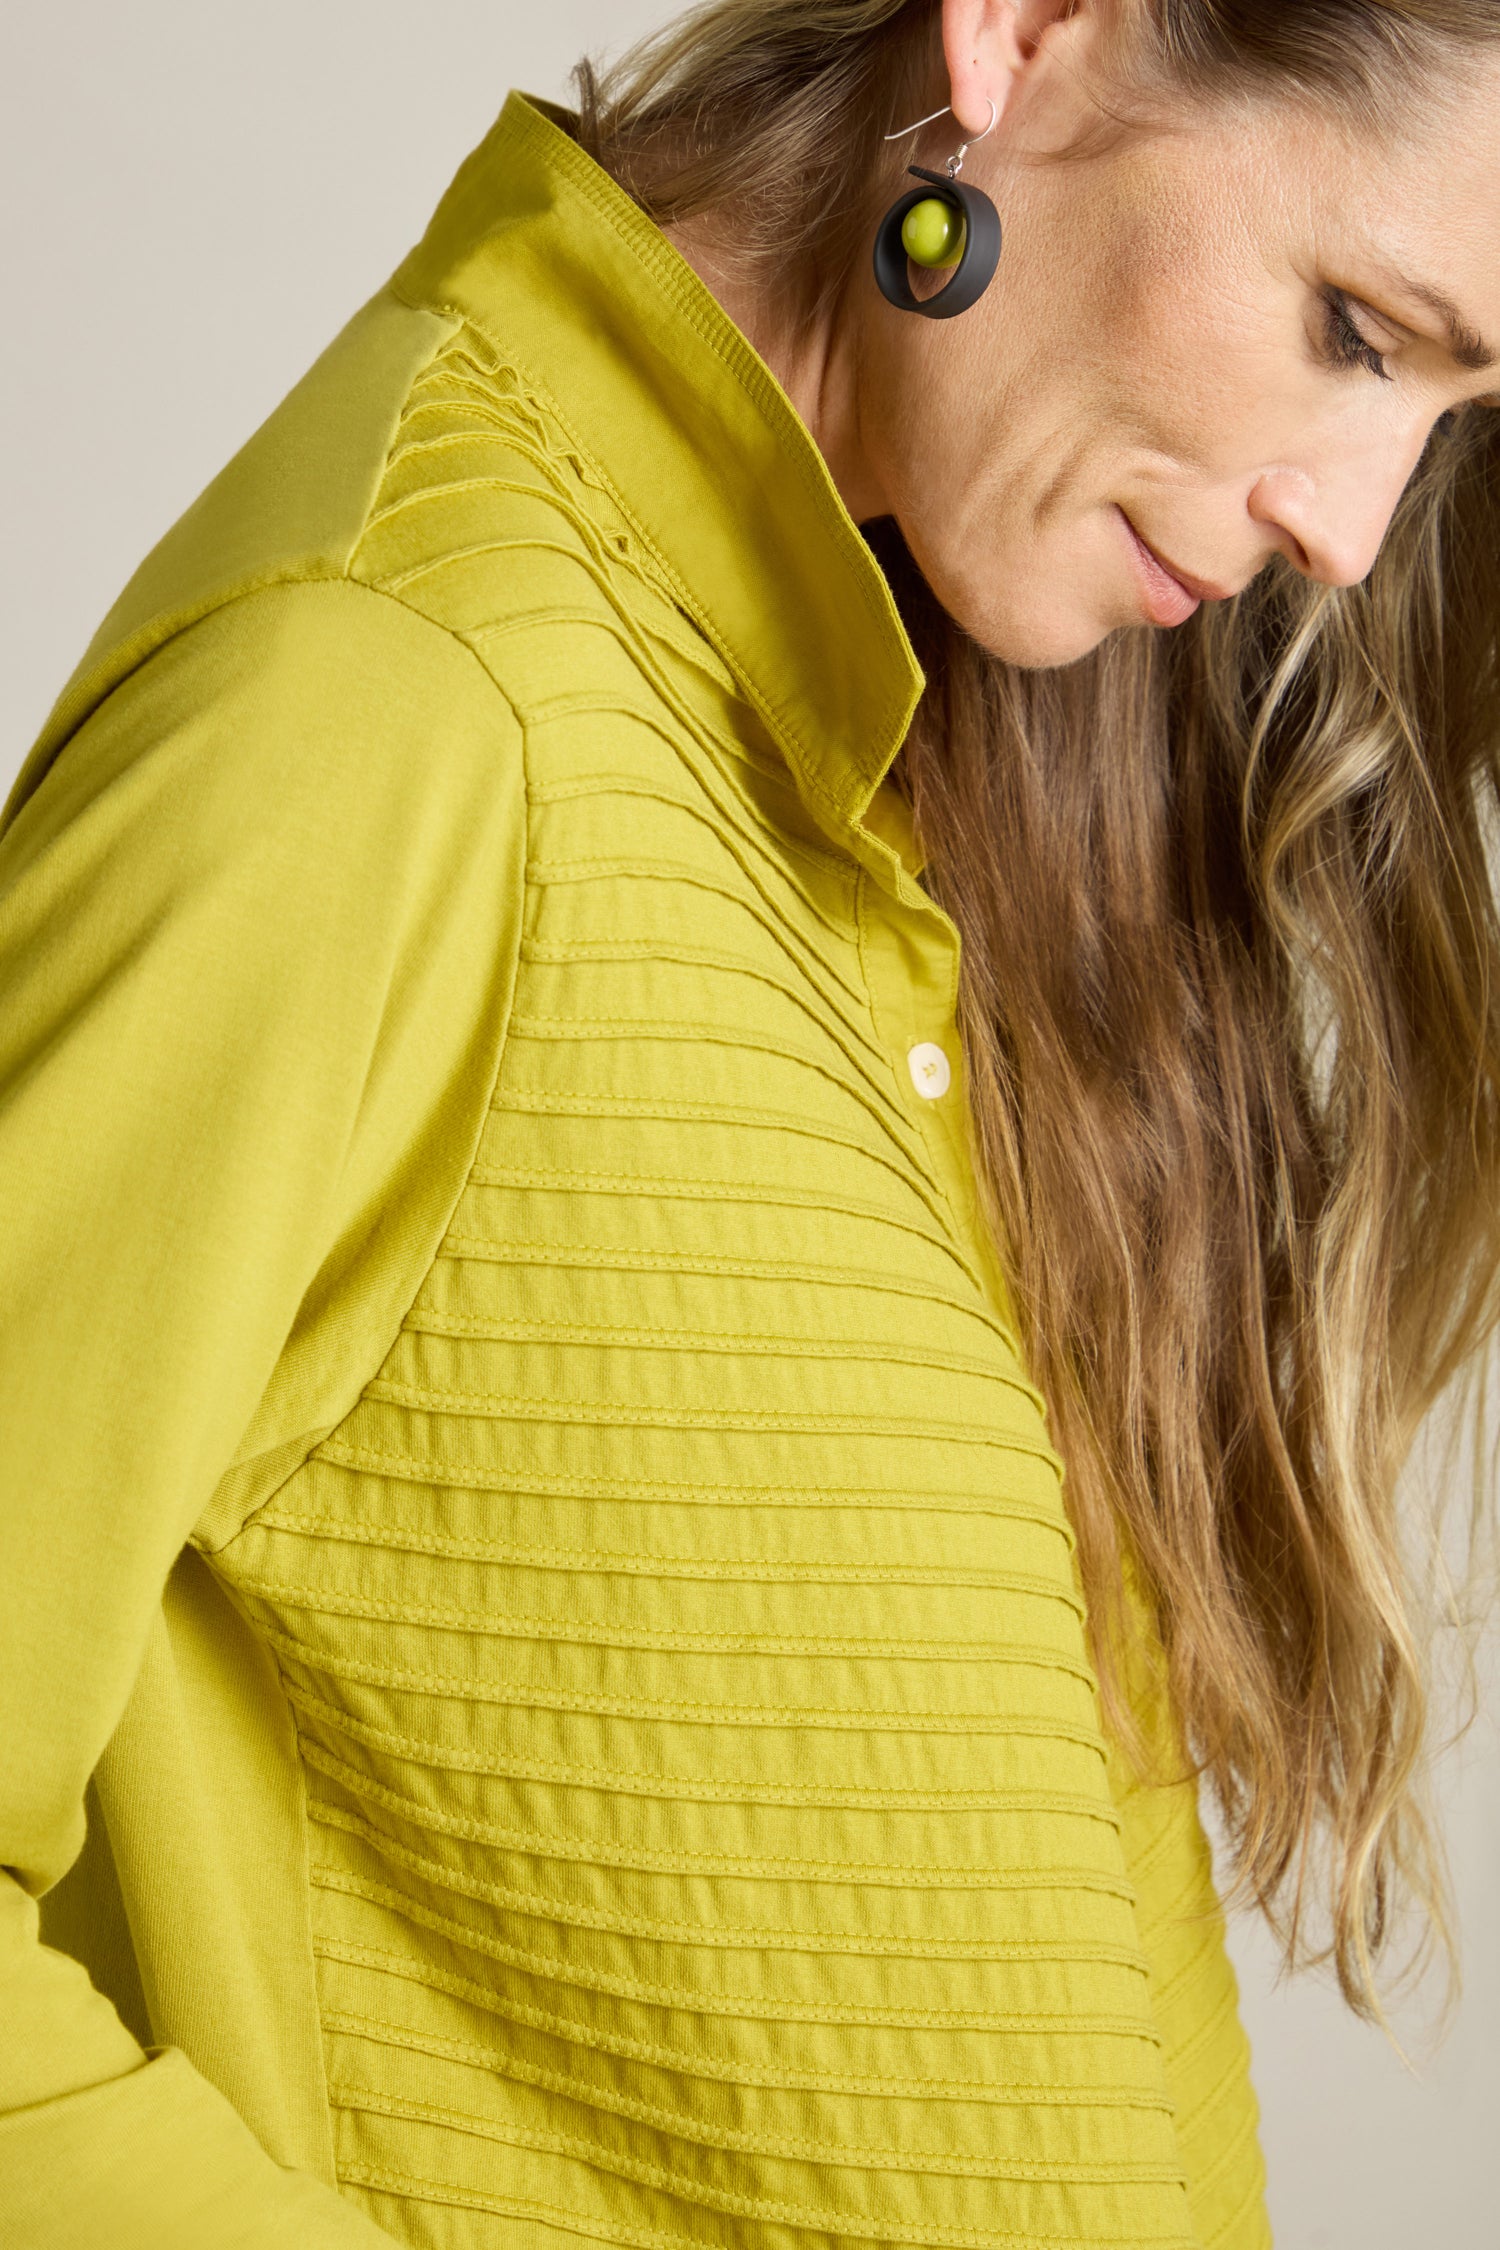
[{"x": 544, "y": 1677}]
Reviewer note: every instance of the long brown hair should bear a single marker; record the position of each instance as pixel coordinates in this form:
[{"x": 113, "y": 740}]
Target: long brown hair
[{"x": 1231, "y": 973}]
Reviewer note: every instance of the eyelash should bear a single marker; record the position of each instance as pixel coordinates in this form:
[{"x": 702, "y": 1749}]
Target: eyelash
[{"x": 1346, "y": 346}]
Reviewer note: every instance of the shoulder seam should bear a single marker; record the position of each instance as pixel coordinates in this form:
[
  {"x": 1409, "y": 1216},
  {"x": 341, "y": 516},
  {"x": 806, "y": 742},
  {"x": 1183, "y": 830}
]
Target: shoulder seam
[
  {"x": 236, "y": 596},
  {"x": 449, "y": 633}
]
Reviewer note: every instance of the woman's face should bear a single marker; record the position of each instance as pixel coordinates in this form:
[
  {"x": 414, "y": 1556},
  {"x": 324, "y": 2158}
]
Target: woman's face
[{"x": 1200, "y": 340}]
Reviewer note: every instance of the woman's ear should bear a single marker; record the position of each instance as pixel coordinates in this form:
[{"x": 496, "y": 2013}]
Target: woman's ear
[{"x": 987, "y": 45}]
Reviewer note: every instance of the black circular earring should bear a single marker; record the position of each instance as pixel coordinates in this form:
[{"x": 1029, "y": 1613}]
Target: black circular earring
[{"x": 946, "y": 223}]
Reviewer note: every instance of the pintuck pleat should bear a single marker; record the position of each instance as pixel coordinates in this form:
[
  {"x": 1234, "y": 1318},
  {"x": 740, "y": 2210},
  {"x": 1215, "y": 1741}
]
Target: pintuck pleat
[{"x": 712, "y": 1838}]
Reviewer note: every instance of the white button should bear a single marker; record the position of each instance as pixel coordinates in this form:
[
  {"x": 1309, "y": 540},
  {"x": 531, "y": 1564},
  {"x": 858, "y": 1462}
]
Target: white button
[{"x": 929, "y": 1069}]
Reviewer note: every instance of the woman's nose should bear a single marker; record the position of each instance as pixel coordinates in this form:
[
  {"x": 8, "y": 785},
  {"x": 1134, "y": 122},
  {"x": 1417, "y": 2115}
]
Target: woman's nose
[{"x": 1331, "y": 524}]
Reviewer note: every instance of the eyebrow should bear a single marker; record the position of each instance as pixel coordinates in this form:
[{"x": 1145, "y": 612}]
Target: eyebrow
[{"x": 1465, "y": 343}]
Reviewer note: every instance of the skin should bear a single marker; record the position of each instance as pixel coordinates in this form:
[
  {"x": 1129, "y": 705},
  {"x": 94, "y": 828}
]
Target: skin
[{"x": 1156, "y": 349}]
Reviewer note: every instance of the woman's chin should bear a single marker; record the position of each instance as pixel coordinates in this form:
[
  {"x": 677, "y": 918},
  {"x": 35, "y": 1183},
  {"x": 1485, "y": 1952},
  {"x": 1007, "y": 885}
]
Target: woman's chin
[
  {"x": 1038, "y": 634},
  {"x": 1022, "y": 617}
]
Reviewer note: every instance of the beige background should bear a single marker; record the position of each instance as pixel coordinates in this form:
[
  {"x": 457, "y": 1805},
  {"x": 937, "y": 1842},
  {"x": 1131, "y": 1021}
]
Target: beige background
[{"x": 198, "y": 196}]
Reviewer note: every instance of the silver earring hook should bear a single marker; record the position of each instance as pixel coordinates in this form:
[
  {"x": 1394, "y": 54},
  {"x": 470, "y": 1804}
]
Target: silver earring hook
[{"x": 957, "y": 158}]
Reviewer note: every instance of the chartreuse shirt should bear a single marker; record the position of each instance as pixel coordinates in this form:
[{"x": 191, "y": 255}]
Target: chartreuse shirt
[{"x": 545, "y": 1693}]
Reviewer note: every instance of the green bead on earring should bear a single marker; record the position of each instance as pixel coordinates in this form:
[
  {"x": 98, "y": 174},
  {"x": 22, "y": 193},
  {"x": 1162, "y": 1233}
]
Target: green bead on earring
[{"x": 932, "y": 233}]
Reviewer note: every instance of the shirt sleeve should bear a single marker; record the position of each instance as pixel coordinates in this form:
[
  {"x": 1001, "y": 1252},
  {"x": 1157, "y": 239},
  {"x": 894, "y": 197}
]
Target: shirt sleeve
[{"x": 258, "y": 926}]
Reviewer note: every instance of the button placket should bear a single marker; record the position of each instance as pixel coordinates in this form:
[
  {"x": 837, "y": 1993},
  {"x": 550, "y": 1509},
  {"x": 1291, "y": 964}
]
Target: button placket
[{"x": 910, "y": 951}]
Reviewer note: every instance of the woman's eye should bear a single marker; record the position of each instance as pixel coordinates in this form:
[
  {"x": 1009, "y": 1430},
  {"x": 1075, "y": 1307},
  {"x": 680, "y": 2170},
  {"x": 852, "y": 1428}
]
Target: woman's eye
[{"x": 1346, "y": 345}]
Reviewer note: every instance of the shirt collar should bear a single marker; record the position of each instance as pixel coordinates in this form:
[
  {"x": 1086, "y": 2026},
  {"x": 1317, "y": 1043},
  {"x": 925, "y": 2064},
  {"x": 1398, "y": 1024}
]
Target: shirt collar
[{"x": 542, "y": 251}]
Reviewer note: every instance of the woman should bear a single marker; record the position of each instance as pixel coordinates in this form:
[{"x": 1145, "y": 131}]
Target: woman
[{"x": 556, "y": 1679}]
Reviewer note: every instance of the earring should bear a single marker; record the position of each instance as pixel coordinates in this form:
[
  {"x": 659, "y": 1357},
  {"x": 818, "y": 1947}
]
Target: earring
[{"x": 956, "y": 226}]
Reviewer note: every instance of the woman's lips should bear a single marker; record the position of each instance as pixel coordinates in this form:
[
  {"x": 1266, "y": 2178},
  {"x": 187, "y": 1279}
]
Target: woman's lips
[{"x": 1164, "y": 597}]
